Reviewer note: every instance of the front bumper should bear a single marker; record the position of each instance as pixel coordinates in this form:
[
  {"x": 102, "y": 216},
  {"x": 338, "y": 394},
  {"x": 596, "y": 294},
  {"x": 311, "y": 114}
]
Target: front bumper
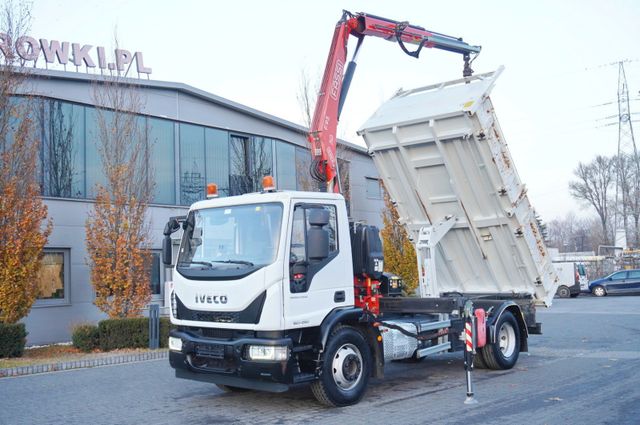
[{"x": 223, "y": 361}]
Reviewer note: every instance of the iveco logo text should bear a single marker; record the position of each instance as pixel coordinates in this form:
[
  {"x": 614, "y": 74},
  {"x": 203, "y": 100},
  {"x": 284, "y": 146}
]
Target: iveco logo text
[{"x": 211, "y": 299}]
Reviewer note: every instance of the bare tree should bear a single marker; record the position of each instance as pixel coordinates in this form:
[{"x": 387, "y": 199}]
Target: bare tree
[
  {"x": 59, "y": 154},
  {"x": 593, "y": 186},
  {"x": 573, "y": 233},
  {"x": 306, "y": 95},
  {"x": 117, "y": 232},
  {"x": 251, "y": 160}
]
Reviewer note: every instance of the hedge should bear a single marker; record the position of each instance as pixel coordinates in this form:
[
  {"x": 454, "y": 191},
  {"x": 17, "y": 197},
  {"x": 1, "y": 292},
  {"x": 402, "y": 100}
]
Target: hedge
[
  {"x": 86, "y": 337},
  {"x": 130, "y": 333},
  {"x": 13, "y": 338}
]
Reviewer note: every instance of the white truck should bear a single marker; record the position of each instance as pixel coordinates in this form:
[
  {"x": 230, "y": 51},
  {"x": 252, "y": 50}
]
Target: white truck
[{"x": 277, "y": 289}]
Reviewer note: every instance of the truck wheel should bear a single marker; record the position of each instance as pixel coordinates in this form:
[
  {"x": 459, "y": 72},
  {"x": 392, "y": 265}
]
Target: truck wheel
[
  {"x": 478, "y": 360},
  {"x": 503, "y": 354},
  {"x": 563, "y": 292},
  {"x": 598, "y": 291},
  {"x": 232, "y": 389},
  {"x": 345, "y": 370}
]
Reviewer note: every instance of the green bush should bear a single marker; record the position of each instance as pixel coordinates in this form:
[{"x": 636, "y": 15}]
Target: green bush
[
  {"x": 13, "y": 338},
  {"x": 130, "y": 333},
  {"x": 86, "y": 337}
]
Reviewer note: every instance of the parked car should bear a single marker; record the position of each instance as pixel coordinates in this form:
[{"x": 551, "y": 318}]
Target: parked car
[{"x": 621, "y": 282}]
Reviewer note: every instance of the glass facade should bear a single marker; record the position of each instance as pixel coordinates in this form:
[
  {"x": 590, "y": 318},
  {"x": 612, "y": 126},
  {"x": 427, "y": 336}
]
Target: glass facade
[{"x": 71, "y": 165}]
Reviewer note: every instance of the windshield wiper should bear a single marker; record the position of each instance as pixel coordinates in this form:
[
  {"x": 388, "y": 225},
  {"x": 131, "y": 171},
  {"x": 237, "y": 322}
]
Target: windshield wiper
[
  {"x": 205, "y": 263},
  {"x": 246, "y": 263}
]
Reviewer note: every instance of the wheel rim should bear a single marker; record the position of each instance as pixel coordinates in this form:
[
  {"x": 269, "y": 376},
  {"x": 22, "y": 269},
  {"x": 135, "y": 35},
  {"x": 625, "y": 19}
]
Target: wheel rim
[
  {"x": 507, "y": 339},
  {"x": 599, "y": 291},
  {"x": 347, "y": 366},
  {"x": 564, "y": 292}
]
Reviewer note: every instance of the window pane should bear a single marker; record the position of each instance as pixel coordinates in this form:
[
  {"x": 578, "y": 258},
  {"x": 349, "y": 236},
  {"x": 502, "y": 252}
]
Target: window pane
[
  {"x": 63, "y": 149},
  {"x": 217, "y": 159},
  {"x": 331, "y": 227},
  {"x": 51, "y": 276},
  {"x": 286, "y": 163},
  {"x": 304, "y": 181},
  {"x": 239, "y": 162},
  {"x": 262, "y": 160},
  {"x": 163, "y": 160},
  {"x": 94, "y": 171},
  {"x": 192, "y": 164},
  {"x": 374, "y": 191},
  {"x": 156, "y": 284},
  {"x": 619, "y": 276},
  {"x": 635, "y": 274},
  {"x": 298, "y": 250}
]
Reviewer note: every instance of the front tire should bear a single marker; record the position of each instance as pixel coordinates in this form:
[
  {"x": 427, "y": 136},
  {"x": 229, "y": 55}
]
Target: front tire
[
  {"x": 598, "y": 291},
  {"x": 345, "y": 369},
  {"x": 503, "y": 354},
  {"x": 563, "y": 292}
]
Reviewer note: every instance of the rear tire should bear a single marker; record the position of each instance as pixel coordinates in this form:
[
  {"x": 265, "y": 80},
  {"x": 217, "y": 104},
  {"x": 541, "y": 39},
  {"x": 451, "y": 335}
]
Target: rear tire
[
  {"x": 232, "y": 389},
  {"x": 598, "y": 291},
  {"x": 563, "y": 291},
  {"x": 503, "y": 354},
  {"x": 478, "y": 360},
  {"x": 345, "y": 369}
]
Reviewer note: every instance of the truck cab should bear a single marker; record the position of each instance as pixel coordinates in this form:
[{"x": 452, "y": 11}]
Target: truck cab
[{"x": 253, "y": 271}]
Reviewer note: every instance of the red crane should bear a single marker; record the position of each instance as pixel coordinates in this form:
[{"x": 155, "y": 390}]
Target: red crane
[{"x": 336, "y": 81}]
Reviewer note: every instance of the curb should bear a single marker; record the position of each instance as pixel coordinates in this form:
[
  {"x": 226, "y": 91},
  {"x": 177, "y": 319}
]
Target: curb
[{"x": 85, "y": 363}]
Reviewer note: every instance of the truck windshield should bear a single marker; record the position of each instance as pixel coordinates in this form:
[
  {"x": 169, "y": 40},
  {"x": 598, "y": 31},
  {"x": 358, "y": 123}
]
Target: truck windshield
[{"x": 229, "y": 242}]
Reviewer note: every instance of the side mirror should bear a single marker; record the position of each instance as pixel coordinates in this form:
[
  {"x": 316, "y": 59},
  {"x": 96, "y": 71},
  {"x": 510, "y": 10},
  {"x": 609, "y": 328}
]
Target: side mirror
[
  {"x": 317, "y": 237},
  {"x": 318, "y": 217},
  {"x": 167, "y": 252},
  {"x": 318, "y": 243},
  {"x": 172, "y": 226}
]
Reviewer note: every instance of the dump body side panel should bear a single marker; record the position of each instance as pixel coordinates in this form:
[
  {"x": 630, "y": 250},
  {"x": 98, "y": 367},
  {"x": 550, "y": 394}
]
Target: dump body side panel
[{"x": 442, "y": 156}]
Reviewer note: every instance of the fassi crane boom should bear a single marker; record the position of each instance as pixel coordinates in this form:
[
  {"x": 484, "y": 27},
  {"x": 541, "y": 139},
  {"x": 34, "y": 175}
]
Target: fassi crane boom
[{"x": 335, "y": 81}]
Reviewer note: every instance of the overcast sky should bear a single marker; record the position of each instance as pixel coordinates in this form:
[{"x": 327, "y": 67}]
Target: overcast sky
[{"x": 552, "y": 101}]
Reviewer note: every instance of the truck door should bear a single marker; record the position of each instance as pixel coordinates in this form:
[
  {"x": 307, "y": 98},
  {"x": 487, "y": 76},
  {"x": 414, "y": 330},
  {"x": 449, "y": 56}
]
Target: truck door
[{"x": 314, "y": 287}]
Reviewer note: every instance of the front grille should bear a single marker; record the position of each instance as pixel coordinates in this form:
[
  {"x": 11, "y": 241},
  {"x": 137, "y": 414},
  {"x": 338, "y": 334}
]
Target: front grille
[
  {"x": 217, "y": 333},
  {"x": 215, "y": 316},
  {"x": 251, "y": 314},
  {"x": 211, "y": 351},
  {"x": 212, "y": 365}
]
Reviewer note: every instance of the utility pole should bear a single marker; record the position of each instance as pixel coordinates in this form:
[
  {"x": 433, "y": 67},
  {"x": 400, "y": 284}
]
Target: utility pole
[{"x": 628, "y": 169}]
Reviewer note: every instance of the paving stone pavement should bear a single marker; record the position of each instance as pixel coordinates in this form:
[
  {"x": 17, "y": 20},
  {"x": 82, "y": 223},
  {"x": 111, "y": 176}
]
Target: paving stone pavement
[{"x": 102, "y": 360}]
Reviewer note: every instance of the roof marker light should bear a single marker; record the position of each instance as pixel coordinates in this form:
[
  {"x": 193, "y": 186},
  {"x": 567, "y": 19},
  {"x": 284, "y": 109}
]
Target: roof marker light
[
  {"x": 212, "y": 190},
  {"x": 268, "y": 184}
]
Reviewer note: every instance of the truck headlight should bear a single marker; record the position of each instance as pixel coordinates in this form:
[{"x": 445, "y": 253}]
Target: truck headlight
[
  {"x": 268, "y": 352},
  {"x": 175, "y": 344}
]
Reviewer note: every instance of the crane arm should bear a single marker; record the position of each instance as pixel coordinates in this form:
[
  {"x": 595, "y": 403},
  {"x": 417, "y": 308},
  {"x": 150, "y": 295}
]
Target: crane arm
[{"x": 336, "y": 80}]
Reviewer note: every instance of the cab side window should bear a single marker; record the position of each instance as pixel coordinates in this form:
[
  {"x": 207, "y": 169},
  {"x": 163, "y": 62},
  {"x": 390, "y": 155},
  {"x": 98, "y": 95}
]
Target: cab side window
[{"x": 301, "y": 271}]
